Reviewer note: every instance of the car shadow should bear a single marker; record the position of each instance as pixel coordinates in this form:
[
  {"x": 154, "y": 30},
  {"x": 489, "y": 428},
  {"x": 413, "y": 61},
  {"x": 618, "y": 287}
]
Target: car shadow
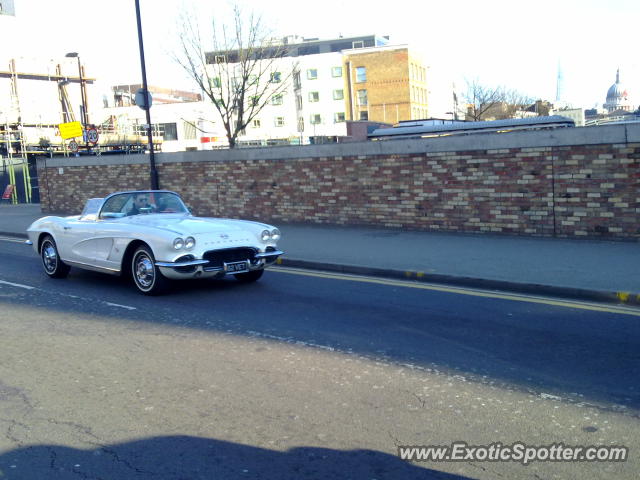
[{"x": 187, "y": 457}]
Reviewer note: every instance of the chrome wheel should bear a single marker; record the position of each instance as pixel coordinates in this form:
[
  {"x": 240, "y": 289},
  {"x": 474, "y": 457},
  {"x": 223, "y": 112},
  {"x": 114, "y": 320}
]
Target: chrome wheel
[
  {"x": 146, "y": 275},
  {"x": 51, "y": 262},
  {"x": 49, "y": 257},
  {"x": 144, "y": 271}
]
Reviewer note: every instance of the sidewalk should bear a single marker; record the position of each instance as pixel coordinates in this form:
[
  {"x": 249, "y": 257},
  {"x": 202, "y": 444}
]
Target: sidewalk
[{"x": 591, "y": 270}]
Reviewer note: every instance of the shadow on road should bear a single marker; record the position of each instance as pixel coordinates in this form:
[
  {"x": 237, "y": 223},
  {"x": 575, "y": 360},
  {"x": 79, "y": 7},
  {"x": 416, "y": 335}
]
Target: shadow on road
[{"x": 185, "y": 457}]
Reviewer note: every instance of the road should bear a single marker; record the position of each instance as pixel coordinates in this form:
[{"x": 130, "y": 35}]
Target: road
[{"x": 302, "y": 375}]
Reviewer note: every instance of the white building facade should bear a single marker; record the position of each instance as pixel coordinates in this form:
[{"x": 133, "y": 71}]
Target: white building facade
[{"x": 311, "y": 104}]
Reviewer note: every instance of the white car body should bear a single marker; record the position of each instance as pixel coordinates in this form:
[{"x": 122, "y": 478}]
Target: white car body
[{"x": 103, "y": 240}]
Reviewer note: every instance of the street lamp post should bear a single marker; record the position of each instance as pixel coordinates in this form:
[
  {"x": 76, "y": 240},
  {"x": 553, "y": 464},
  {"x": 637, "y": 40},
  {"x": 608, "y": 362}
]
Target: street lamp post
[
  {"x": 84, "y": 117},
  {"x": 153, "y": 173}
]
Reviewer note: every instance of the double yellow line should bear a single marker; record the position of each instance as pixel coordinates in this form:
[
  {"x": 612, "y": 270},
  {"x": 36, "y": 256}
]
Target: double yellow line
[{"x": 461, "y": 291}]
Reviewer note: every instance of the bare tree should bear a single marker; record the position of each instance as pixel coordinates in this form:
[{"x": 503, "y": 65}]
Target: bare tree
[
  {"x": 516, "y": 103},
  {"x": 240, "y": 74},
  {"x": 481, "y": 99},
  {"x": 494, "y": 102}
]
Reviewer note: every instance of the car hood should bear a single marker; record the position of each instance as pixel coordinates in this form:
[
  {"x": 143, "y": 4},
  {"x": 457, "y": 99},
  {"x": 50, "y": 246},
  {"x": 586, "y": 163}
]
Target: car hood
[{"x": 186, "y": 225}]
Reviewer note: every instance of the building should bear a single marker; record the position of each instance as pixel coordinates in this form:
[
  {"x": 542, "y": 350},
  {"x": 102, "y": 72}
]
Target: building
[
  {"x": 124, "y": 95},
  {"x": 618, "y": 97},
  {"x": 332, "y": 82},
  {"x": 7, "y": 7},
  {"x": 575, "y": 114},
  {"x": 385, "y": 84}
]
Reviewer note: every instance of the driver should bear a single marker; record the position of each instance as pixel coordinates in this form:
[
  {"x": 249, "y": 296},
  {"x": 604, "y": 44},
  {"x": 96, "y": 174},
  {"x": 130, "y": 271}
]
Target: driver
[{"x": 140, "y": 200}]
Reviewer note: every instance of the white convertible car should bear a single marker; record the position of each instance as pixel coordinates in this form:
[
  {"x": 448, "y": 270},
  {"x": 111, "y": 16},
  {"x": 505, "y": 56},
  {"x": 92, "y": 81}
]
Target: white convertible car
[{"x": 152, "y": 236}]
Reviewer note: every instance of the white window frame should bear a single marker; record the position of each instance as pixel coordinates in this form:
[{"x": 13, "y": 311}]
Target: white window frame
[
  {"x": 314, "y": 97},
  {"x": 312, "y": 74}
]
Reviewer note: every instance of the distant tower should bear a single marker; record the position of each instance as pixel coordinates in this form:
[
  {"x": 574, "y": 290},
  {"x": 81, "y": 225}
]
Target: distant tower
[{"x": 560, "y": 85}]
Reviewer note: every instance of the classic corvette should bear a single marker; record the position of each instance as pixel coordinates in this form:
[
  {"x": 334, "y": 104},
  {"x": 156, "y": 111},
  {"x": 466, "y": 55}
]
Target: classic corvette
[{"x": 152, "y": 236}]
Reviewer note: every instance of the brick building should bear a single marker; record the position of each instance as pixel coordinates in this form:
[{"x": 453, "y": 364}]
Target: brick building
[{"x": 385, "y": 84}]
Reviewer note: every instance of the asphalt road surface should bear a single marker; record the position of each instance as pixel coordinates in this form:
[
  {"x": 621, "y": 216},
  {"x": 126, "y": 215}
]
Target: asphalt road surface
[{"x": 303, "y": 375}]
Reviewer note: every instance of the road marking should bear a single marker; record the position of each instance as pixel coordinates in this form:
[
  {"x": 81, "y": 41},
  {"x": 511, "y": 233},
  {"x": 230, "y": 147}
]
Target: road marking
[
  {"x": 29, "y": 287},
  {"x": 120, "y": 306},
  {"x": 461, "y": 291},
  {"x": 13, "y": 240},
  {"x": 19, "y": 285}
]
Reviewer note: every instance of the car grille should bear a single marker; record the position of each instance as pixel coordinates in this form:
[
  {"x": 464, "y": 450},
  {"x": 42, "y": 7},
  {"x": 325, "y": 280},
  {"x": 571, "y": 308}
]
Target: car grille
[{"x": 218, "y": 257}]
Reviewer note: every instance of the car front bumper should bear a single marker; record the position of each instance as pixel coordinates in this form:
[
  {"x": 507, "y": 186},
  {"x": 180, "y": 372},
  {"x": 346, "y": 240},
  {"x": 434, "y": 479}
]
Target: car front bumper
[{"x": 201, "y": 268}]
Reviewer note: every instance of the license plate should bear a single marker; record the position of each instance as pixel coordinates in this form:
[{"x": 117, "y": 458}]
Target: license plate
[{"x": 236, "y": 267}]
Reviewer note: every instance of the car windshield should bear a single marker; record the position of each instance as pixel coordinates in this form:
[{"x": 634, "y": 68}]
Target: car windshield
[{"x": 142, "y": 203}]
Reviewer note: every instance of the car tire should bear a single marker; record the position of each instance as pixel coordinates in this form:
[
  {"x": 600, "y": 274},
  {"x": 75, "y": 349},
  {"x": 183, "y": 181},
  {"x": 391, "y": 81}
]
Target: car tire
[
  {"x": 51, "y": 262},
  {"x": 248, "y": 277},
  {"x": 146, "y": 276}
]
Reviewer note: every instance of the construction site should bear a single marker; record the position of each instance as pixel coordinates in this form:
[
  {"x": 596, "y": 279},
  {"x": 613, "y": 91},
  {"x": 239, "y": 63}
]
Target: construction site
[{"x": 38, "y": 99}]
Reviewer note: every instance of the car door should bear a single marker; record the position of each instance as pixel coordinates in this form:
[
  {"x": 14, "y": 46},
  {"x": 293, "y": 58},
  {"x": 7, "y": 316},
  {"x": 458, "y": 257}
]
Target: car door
[{"x": 75, "y": 240}]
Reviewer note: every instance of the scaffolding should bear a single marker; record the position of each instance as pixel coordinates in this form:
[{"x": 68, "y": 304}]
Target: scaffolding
[{"x": 21, "y": 139}]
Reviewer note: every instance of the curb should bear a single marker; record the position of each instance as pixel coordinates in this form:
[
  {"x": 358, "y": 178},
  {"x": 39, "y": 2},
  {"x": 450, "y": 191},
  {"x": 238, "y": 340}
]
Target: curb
[{"x": 619, "y": 298}]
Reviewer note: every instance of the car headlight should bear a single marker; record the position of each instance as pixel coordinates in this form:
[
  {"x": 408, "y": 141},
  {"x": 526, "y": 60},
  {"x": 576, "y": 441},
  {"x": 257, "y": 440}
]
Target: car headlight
[
  {"x": 189, "y": 243},
  {"x": 275, "y": 234},
  {"x": 265, "y": 235},
  {"x": 178, "y": 243}
]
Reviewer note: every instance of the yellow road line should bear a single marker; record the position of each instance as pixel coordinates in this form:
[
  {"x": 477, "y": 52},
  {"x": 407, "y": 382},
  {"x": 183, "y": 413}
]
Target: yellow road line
[{"x": 461, "y": 291}]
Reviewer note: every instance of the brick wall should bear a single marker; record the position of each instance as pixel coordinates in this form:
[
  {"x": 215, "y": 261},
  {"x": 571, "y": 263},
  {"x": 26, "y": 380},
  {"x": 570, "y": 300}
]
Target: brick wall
[{"x": 562, "y": 190}]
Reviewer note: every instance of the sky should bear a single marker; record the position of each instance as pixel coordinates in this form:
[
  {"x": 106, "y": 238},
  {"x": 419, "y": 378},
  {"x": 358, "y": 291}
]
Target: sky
[{"x": 517, "y": 44}]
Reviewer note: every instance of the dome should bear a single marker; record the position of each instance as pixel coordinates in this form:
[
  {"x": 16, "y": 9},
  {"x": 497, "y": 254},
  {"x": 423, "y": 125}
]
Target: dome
[{"x": 617, "y": 96}]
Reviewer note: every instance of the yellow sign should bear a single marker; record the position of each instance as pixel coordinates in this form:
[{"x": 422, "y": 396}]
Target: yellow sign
[{"x": 70, "y": 130}]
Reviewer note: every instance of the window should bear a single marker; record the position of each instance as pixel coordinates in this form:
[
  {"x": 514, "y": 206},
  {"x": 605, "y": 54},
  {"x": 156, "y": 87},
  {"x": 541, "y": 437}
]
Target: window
[
  {"x": 362, "y": 97},
  {"x": 316, "y": 119},
  {"x": 276, "y": 77},
  {"x": 276, "y": 99},
  {"x": 338, "y": 117},
  {"x": 338, "y": 94},
  {"x": 169, "y": 131},
  {"x": 364, "y": 115},
  {"x": 358, "y": 44},
  {"x": 254, "y": 101},
  {"x": 312, "y": 73},
  {"x": 189, "y": 130},
  {"x": 361, "y": 74},
  {"x": 279, "y": 122},
  {"x": 216, "y": 82},
  {"x": 314, "y": 97},
  {"x": 256, "y": 123},
  {"x": 220, "y": 59},
  {"x": 336, "y": 72}
]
